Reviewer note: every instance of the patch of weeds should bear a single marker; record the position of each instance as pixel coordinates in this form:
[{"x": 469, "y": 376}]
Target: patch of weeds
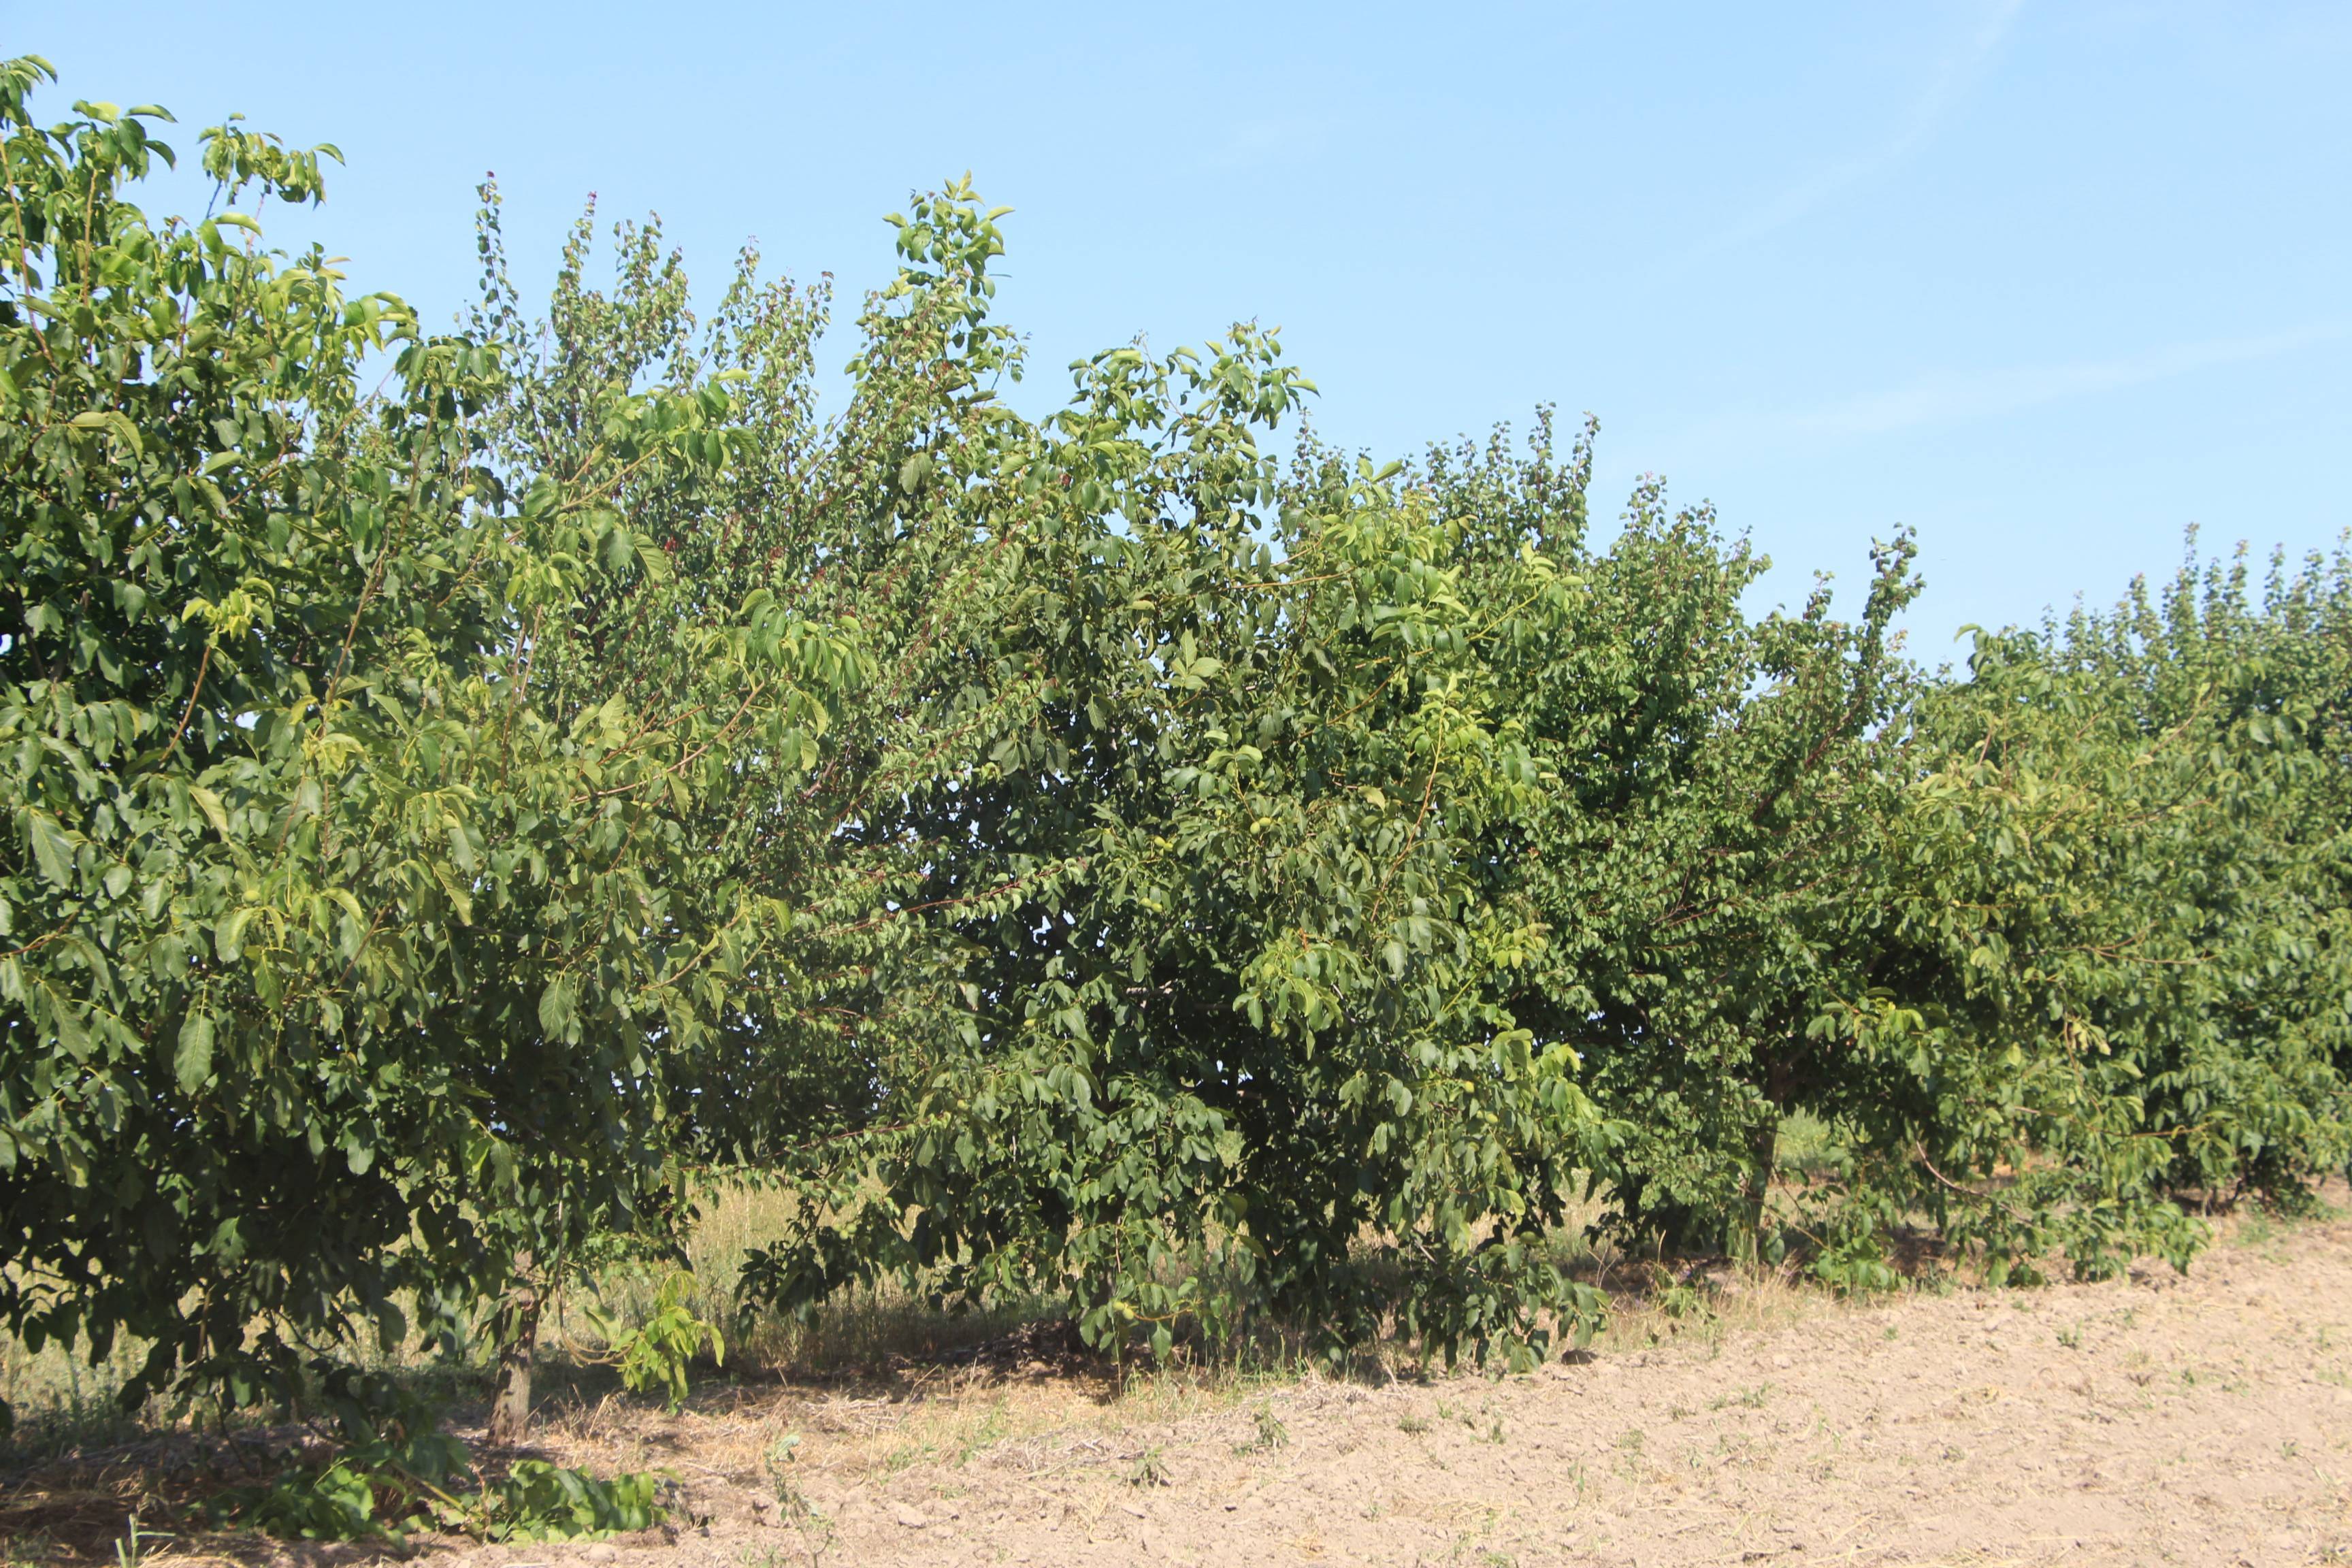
[
  {"x": 1686, "y": 1300},
  {"x": 2070, "y": 1336},
  {"x": 1495, "y": 1432},
  {"x": 1679, "y": 1412},
  {"x": 540, "y": 1501},
  {"x": 778, "y": 1461},
  {"x": 1632, "y": 1440},
  {"x": 1855, "y": 1266},
  {"x": 1271, "y": 1433},
  {"x": 1412, "y": 1425},
  {"x": 34, "y": 1547},
  {"x": 131, "y": 1548},
  {"x": 1149, "y": 1469},
  {"x": 369, "y": 1495},
  {"x": 815, "y": 1529},
  {"x": 991, "y": 1431},
  {"x": 396, "y": 1473},
  {"x": 791, "y": 1501},
  {"x": 905, "y": 1457}
]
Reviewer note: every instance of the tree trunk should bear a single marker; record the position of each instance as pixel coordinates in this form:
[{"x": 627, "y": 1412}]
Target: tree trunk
[
  {"x": 517, "y": 1341},
  {"x": 1747, "y": 1238}
]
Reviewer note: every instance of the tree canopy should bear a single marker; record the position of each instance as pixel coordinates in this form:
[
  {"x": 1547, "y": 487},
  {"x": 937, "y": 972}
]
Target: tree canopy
[{"x": 1141, "y": 855}]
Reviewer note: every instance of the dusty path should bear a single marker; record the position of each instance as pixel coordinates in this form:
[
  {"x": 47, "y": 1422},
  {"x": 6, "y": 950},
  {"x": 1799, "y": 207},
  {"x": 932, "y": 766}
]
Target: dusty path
[{"x": 2205, "y": 1420}]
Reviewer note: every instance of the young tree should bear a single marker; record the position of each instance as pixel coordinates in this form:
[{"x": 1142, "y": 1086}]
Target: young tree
[{"x": 342, "y": 968}]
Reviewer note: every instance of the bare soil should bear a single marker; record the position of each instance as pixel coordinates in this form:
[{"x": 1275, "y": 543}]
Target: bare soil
[{"x": 2204, "y": 1419}]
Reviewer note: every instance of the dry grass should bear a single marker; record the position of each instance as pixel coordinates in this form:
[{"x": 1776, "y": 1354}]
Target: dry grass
[
  {"x": 881, "y": 1393},
  {"x": 62, "y": 1402},
  {"x": 880, "y": 1385},
  {"x": 948, "y": 1437},
  {"x": 885, "y": 1380},
  {"x": 868, "y": 1343}
]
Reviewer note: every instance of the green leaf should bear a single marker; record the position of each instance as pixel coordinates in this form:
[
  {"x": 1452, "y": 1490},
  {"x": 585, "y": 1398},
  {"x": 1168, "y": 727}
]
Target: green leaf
[
  {"x": 557, "y": 1008},
  {"x": 191, "y": 1062},
  {"x": 52, "y": 848},
  {"x": 114, "y": 423},
  {"x": 210, "y": 804},
  {"x": 229, "y": 933}
]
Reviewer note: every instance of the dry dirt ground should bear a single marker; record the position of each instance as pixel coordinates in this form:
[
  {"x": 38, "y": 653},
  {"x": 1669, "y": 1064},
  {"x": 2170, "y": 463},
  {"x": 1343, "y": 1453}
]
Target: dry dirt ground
[
  {"x": 2202, "y": 1420},
  {"x": 2199, "y": 1420}
]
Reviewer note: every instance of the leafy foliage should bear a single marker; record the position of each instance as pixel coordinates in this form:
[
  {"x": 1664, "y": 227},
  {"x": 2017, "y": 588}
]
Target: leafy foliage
[
  {"x": 660, "y": 1349},
  {"x": 394, "y": 1473},
  {"x": 350, "y": 961},
  {"x": 1087, "y": 855}
]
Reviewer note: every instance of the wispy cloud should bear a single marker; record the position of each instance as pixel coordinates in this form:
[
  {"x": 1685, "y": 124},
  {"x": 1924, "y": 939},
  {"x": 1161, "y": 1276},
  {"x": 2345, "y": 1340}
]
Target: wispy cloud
[
  {"x": 1949, "y": 399},
  {"x": 1955, "y": 75}
]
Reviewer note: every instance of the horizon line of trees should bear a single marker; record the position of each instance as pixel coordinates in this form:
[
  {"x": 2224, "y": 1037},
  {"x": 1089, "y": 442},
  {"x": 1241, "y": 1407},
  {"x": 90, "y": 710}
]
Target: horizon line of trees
[{"x": 1090, "y": 856}]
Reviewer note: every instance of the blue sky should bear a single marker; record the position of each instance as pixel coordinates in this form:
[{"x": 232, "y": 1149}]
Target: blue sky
[{"x": 2047, "y": 281}]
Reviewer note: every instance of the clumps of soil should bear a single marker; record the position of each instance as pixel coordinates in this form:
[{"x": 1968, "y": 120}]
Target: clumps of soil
[{"x": 1729, "y": 1418}]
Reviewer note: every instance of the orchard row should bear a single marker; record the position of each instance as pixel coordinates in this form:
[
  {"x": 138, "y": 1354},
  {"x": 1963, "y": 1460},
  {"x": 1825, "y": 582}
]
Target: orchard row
[{"x": 1140, "y": 854}]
